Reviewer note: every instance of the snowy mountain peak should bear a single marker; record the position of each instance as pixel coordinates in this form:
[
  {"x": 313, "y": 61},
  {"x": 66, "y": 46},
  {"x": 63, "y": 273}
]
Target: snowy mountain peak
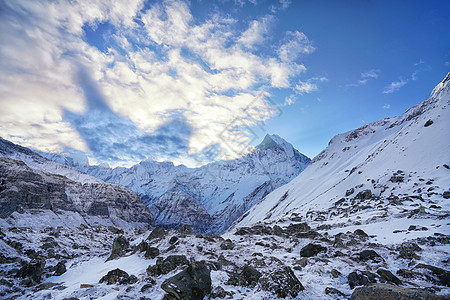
[{"x": 272, "y": 140}]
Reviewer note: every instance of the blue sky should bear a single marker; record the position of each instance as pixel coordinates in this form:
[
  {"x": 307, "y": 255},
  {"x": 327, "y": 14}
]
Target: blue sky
[{"x": 196, "y": 81}]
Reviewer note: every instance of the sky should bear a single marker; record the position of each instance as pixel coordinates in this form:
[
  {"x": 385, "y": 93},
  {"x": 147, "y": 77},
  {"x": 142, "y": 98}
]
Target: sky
[{"x": 197, "y": 81}]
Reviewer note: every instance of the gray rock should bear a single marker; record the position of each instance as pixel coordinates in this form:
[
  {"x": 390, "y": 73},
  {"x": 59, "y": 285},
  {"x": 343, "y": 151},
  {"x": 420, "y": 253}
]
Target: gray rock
[
  {"x": 281, "y": 282},
  {"x": 185, "y": 229},
  {"x": 193, "y": 283},
  {"x": 250, "y": 275},
  {"x": 227, "y": 245},
  {"x": 408, "y": 250},
  {"x": 156, "y": 233},
  {"x": 388, "y": 277},
  {"x": 364, "y": 195},
  {"x": 165, "y": 266},
  {"x": 151, "y": 252},
  {"x": 312, "y": 250},
  {"x": 370, "y": 255},
  {"x": 333, "y": 291},
  {"x": 118, "y": 276},
  {"x": 358, "y": 278},
  {"x": 219, "y": 292},
  {"x": 428, "y": 123},
  {"x": 32, "y": 270},
  {"x": 443, "y": 276},
  {"x": 298, "y": 227},
  {"x": 119, "y": 248},
  {"x": 60, "y": 268}
]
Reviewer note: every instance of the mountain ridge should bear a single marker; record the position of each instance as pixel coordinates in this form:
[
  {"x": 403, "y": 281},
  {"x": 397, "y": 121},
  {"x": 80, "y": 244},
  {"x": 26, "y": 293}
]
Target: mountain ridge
[{"x": 214, "y": 189}]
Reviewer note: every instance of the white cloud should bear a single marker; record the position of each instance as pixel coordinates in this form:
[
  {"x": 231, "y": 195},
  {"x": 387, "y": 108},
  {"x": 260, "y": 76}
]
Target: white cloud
[
  {"x": 394, "y": 86},
  {"x": 215, "y": 84},
  {"x": 289, "y": 100},
  {"x": 285, "y": 3},
  {"x": 297, "y": 43},
  {"x": 309, "y": 86},
  {"x": 257, "y": 32},
  {"x": 386, "y": 106},
  {"x": 365, "y": 77},
  {"x": 370, "y": 74}
]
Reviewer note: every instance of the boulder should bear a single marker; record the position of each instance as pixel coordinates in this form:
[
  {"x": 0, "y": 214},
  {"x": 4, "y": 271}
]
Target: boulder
[
  {"x": 32, "y": 270},
  {"x": 151, "y": 252},
  {"x": 388, "y": 291},
  {"x": 250, "y": 275},
  {"x": 193, "y": 283},
  {"x": 333, "y": 291},
  {"x": 118, "y": 276},
  {"x": 185, "y": 229},
  {"x": 173, "y": 240},
  {"x": 358, "y": 278},
  {"x": 297, "y": 227},
  {"x": 370, "y": 255},
  {"x": 119, "y": 248},
  {"x": 277, "y": 230},
  {"x": 156, "y": 233},
  {"x": 219, "y": 292},
  {"x": 388, "y": 277},
  {"x": 165, "y": 266},
  {"x": 60, "y": 268},
  {"x": 360, "y": 233},
  {"x": 281, "y": 282},
  {"x": 227, "y": 245},
  {"x": 408, "y": 250},
  {"x": 312, "y": 250},
  {"x": 364, "y": 195}
]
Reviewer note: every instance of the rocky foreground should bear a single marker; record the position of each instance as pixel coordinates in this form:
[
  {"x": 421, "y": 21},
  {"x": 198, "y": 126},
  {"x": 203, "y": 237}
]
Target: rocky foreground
[{"x": 292, "y": 260}]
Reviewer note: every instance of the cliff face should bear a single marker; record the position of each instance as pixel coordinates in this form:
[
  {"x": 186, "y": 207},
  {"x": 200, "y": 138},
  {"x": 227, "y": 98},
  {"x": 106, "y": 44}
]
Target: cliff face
[{"x": 27, "y": 190}]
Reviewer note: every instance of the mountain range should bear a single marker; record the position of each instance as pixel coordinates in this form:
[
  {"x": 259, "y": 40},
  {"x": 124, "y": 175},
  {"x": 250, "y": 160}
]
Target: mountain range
[{"x": 209, "y": 198}]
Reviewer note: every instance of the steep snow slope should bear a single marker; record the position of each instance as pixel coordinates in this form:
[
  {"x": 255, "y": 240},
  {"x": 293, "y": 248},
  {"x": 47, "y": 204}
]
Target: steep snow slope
[
  {"x": 208, "y": 198},
  {"x": 405, "y": 158}
]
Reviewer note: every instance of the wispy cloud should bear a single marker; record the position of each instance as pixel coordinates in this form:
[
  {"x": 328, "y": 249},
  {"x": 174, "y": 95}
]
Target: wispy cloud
[
  {"x": 309, "y": 86},
  {"x": 387, "y": 106},
  {"x": 160, "y": 69},
  {"x": 365, "y": 77},
  {"x": 394, "y": 86},
  {"x": 296, "y": 44}
]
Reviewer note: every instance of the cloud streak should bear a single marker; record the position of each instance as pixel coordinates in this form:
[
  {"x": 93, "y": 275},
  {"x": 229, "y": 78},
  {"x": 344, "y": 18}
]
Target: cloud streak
[{"x": 394, "y": 86}]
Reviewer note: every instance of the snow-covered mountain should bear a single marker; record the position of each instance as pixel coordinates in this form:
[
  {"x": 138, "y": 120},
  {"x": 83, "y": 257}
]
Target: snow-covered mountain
[
  {"x": 382, "y": 170},
  {"x": 37, "y": 191},
  {"x": 368, "y": 219},
  {"x": 208, "y": 198}
]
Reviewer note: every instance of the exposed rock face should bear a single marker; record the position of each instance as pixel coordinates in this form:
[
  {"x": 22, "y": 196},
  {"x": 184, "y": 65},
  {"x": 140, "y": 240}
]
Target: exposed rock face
[
  {"x": 23, "y": 189},
  {"x": 388, "y": 291},
  {"x": 193, "y": 283}
]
